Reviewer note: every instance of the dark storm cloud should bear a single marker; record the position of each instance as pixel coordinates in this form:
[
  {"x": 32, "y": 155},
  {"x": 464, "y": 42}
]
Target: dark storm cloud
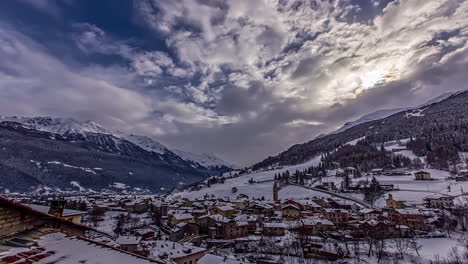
[{"x": 243, "y": 79}]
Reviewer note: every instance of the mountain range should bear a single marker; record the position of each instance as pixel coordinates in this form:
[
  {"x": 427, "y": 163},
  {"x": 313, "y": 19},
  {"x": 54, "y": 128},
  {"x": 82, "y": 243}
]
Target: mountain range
[
  {"x": 436, "y": 130},
  {"x": 46, "y": 154}
]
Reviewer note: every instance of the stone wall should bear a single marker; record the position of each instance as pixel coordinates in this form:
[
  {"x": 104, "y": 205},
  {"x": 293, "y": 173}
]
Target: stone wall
[{"x": 14, "y": 221}]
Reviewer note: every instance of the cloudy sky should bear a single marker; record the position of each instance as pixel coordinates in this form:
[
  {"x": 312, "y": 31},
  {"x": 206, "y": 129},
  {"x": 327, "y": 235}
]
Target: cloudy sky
[{"x": 242, "y": 79}]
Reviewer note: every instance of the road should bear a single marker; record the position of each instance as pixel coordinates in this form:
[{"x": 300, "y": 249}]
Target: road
[{"x": 339, "y": 195}]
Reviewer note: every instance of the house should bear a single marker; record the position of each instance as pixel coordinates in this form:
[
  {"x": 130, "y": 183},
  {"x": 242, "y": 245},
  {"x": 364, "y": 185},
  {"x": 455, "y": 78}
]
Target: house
[
  {"x": 183, "y": 230},
  {"x": 58, "y": 210},
  {"x": 412, "y": 218},
  {"x": 226, "y": 211},
  {"x": 181, "y": 218},
  {"x": 291, "y": 212},
  {"x": 329, "y": 185},
  {"x": 325, "y": 252},
  {"x": 42, "y": 245},
  {"x": 313, "y": 226},
  {"x": 371, "y": 214},
  {"x": 47, "y": 238},
  {"x": 173, "y": 252},
  {"x": 129, "y": 243},
  {"x": 462, "y": 175},
  {"x": 16, "y": 217},
  {"x": 440, "y": 202},
  {"x": 310, "y": 205},
  {"x": 145, "y": 233},
  {"x": 218, "y": 226},
  {"x": 350, "y": 171},
  {"x": 422, "y": 176},
  {"x": 274, "y": 229},
  {"x": 394, "y": 204},
  {"x": 377, "y": 172},
  {"x": 136, "y": 206},
  {"x": 295, "y": 203},
  {"x": 366, "y": 228},
  {"x": 213, "y": 259},
  {"x": 260, "y": 209},
  {"x": 337, "y": 216},
  {"x": 251, "y": 221}
]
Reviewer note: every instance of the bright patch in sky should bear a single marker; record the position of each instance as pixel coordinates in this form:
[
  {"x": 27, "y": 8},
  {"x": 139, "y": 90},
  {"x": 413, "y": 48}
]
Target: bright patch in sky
[{"x": 239, "y": 78}]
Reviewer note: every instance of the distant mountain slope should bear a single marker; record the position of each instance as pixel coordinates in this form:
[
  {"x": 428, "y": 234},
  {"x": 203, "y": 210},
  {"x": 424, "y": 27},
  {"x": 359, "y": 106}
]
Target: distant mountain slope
[
  {"x": 379, "y": 114},
  {"x": 206, "y": 160},
  {"x": 439, "y": 129},
  {"x": 65, "y": 153}
]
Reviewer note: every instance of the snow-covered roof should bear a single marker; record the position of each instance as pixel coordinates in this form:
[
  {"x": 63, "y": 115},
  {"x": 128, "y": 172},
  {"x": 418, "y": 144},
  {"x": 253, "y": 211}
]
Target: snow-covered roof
[
  {"x": 409, "y": 211},
  {"x": 61, "y": 249},
  {"x": 368, "y": 211},
  {"x": 316, "y": 221},
  {"x": 45, "y": 209},
  {"x": 309, "y": 203},
  {"x": 274, "y": 225},
  {"x": 164, "y": 250},
  {"x": 220, "y": 218},
  {"x": 241, "y": 223},
  {"x": 246, "y": 218},
  {"x": 290, "y": 206},
  {"x": 213, "y": 259},
  {"x": 128, "y": 240},
  {"x": 225, "y": 208},
  {"x": 183, "y": 216}
]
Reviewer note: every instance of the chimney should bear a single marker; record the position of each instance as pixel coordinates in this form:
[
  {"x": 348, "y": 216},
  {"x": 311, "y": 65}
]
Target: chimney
[{"x": 56, "y": 208}]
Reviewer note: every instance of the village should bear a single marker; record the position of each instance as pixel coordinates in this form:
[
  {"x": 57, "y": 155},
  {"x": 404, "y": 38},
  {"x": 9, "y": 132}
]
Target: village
[{"x": 336, "y": 227}]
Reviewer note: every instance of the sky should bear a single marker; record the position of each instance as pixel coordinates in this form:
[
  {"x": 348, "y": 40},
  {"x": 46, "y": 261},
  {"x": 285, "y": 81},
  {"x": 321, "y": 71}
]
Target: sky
[{"x": 241, "y": 79}]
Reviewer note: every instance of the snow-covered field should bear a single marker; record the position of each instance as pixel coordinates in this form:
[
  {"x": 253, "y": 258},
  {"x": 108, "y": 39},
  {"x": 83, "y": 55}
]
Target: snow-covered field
[
  {"x": 413, "y": 192},
  {"x": 256, "y": 190}
]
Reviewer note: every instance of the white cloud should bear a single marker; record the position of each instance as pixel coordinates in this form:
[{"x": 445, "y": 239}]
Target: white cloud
[
  {"x": 245, "y": 78},
  {"x": 307, "y": 51},
  {"x": 35, "y": 83}
]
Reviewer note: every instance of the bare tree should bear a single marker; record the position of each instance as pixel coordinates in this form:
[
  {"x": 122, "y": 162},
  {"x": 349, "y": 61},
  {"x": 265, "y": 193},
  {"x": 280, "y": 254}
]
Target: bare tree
[
  {"x": 414, "y": 245},
  {"x": 380, "y": 246},
  {"x": 97, "y": 214},
  {"x": 401, "y": 245}
]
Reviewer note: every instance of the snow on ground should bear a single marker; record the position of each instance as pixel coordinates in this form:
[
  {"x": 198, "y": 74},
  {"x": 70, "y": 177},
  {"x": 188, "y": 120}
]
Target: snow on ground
[
  {"x": 410, "y": 154},
  {"x": 77, "y": 184},
  {"x": 73, "y": 167},
  {"x": 436, "y": 246},
  {"x": 415, "y": 113},
  {"x": 109, "y": 223},
  {"x": 263, "y": 187},
  {"x": 399, "y": 147},
  {"x": 119, "y": 185},
  {"x": 414, "y": 191},
  {"x": 205, "y": 159},
  {"x": 353, "y": 142}
]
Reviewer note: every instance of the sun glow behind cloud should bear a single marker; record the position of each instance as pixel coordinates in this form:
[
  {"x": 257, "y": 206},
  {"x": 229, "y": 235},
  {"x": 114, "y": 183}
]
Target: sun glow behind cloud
[{"x": 233, "y": 77}]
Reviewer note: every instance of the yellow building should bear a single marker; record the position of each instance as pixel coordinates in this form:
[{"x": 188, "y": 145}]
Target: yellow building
[{"x": 394, "y": 204}]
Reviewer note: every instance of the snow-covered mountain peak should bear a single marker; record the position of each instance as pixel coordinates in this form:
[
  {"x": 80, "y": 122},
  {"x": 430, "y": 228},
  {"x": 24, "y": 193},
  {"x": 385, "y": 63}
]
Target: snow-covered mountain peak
[
  {"x": 64, "y": 126},
  {"x": 60, "y": 126},
  {"x": 147, "y": 143},
  {"x": 205, "y": 159}
]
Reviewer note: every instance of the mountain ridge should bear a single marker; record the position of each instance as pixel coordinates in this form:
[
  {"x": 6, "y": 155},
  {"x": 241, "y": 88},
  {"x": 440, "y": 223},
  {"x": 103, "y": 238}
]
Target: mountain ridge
[
  {"x": 448, "y": 109},
  {"x": 68, "y": 155}
]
